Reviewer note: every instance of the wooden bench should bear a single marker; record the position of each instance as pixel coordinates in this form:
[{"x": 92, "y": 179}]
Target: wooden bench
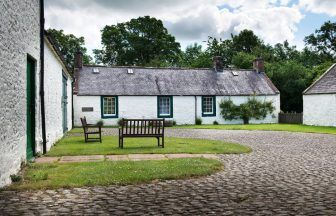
[
  {"x": 141, "y": 128},
  {"x": 87, "y": 130}
]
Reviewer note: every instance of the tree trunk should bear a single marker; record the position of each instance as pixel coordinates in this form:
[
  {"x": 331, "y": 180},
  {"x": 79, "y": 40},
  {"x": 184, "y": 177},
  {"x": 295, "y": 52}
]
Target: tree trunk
[{"x": 246, "y": 120}]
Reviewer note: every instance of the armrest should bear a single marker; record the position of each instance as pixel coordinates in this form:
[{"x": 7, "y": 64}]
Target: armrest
[{"x": 93, "y": 126}]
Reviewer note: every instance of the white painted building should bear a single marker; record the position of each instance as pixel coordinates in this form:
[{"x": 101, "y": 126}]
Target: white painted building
[
  {"x": 19, "y": 46},
  {"x": 21, "y": 55},
  {"x": 319, "y": 100},
  {"x": 58, "y": 93},
  {"x": 182, "y": 95}
]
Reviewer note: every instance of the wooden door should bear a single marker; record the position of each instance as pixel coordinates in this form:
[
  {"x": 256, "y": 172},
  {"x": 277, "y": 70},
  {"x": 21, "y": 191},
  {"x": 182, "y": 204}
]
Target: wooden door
[{"x": 30, "y": 124}]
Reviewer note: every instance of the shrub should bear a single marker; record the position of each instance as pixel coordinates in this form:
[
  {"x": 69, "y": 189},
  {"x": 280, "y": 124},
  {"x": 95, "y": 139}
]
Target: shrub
[
  {"x": 15, "y": 178},
  {"x": 198, "y": 121},
  {"x": 215, "y": 123},
  {"x": 119, "y": 122},
  {"x": 253, "y": 108},
  {"x": 174, "y": 122},
  {"x": 169, "y": 123},
  {"x": 100, "y": 122}
]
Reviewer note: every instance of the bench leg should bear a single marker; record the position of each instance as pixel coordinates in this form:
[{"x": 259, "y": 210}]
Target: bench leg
[
  {"x": 158, "y": 140},
  {"x": 162, "y": 142},
  {"x": 121, "y": 142}
]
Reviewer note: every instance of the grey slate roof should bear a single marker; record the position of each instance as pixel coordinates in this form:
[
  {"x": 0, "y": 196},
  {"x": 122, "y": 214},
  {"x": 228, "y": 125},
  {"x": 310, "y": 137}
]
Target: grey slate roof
[
  {"x": 172, "y": 81},
  {"x": 326, "y": 84}
]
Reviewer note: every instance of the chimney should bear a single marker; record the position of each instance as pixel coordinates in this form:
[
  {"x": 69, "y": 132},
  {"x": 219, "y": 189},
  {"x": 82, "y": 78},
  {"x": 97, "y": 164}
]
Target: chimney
[
  {"x": 218, "y": 63},
  {"x": 78, "y": 63},
  {"x": 258, "y": 65}
]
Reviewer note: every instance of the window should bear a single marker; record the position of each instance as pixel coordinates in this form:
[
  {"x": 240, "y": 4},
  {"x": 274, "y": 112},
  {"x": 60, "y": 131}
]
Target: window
[
  {"x": 165, "y": 106},
  {"x": 208, "y": 106},
  {"x": 109, "y": 107}
]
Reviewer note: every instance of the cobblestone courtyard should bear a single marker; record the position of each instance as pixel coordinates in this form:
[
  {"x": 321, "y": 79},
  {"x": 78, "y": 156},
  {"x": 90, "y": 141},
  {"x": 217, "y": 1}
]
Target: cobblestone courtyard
[{"x": 286, "y": 174}]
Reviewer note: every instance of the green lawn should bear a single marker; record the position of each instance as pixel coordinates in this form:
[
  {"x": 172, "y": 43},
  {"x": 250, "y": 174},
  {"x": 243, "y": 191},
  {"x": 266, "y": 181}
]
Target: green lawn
[
  {"x": 75, "y": 145},
  {"x": 267, "y": 127},
  {"x": 45, "y": 176}
]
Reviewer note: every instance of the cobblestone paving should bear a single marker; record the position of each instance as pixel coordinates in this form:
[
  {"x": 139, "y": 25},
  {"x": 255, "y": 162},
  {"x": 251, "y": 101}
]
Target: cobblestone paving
[{"x": 287, "y": 174}]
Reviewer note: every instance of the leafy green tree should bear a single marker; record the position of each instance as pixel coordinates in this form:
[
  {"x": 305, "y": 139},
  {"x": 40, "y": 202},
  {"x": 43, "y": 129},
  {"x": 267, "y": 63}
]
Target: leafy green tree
[
  {"x": 283, "y": 52},
  {"x": 243, "y": 60},
  {"x": 195, "y": 57},
  {"x": 69, "y": 44},
  {"x": 291, "y": 78},
  {"x": 141, "y": 41},
  {"x": 324, "y": 39},
  {"x": 246, "y": 41},
  {"x": 253, "y": 108},
  {"x": 223, "y": 48}
]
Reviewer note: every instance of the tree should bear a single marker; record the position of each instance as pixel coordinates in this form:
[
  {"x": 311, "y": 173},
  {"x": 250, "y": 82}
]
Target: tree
[
  {"x": 245, "y": 41},
  {"x": 69, "y": 44},
  {"x": 243, "y": 60},
  {"x": 324, "y": 39},
  {"x": 253, "y": 108},
  {"x": 140, "y": 41},
  {"x": 291, "y": 78},
  {"x": 283, "y": 52},
  {"x": 195, "y": 57},
  {"x": 219, "y": 47}
]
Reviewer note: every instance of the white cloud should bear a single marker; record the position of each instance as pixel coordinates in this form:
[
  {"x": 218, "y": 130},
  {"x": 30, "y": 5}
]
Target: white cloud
[
  {"x": 189, "y": 20},
  {"x": 319, "y": 6}
]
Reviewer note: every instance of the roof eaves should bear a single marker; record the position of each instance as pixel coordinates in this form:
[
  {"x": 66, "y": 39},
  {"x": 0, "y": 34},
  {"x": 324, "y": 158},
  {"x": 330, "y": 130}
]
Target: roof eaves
[{"x": 55, "y": 46}]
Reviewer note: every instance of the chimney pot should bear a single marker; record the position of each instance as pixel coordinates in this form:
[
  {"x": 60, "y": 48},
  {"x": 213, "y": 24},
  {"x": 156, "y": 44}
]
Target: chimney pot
[
  {"x": 218, "y": 64},
  {"x": 78, "y": 59},
  {"x": 258, "y": 65}
]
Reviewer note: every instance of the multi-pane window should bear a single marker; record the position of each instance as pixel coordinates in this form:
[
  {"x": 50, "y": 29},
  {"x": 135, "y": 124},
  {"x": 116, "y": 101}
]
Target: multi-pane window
[
  {"x": 165, "y": 106},
  {"x": 208, "y": 106},
  {"x": 109, "y": 106}
]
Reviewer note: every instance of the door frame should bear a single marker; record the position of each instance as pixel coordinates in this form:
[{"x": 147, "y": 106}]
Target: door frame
[{"x": 30, "y": 107}]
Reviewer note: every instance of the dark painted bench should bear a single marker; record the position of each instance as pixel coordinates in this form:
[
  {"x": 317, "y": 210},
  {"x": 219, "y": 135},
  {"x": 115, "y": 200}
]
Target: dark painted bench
[
  {"x": 88, "y": 130},
  {"x": 132, "y": 128}
]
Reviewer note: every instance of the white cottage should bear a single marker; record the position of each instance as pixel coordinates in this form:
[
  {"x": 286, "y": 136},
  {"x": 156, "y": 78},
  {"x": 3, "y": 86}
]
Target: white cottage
[
  {"x": 58, "y": 93},
  {"x": 182, "y": 95},
  {"x": 31, "y": 120},
  {"x": 319, "y": 100}
]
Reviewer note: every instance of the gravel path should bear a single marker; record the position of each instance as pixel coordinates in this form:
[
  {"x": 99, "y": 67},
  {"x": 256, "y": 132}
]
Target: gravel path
[{"x": 286, "y": 174}]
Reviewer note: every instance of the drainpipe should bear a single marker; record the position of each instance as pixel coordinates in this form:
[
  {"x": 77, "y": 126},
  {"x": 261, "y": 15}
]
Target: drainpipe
[
  {"x": 44, "y": 139},
  {"x": 195, "y": 108},
  {"x": 72, "y": 103}
]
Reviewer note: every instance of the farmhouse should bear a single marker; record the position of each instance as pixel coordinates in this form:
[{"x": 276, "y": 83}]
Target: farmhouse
[
  {"x": 319, "y": 100},
  {"x": 34, "y": 114},
  {"x": 182, "y": 95}
]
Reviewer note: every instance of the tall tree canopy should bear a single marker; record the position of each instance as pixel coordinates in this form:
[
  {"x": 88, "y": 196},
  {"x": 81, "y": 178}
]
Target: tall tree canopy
[
  {"x": 142, "y": 41},
  {"x": 324, "y": 39},
  {"x": 245, "y": 41},
  {"x": 69, "y": 44}
]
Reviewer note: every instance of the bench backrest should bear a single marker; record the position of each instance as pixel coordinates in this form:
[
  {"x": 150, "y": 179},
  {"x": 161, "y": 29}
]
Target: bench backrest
[
  {"x": 84, "y": 123},
  {"x": 142, "y": 127}
]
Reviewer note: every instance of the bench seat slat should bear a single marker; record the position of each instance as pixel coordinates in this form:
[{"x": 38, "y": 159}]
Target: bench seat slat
[{"x": 142, "y": 128}]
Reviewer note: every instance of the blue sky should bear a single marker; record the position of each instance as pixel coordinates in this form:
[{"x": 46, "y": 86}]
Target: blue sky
[{"x": 193, "y": 21}]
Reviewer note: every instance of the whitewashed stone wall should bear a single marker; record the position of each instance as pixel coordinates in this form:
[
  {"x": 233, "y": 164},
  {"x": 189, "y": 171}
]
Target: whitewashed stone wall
[
  {"x": 319, "y": 109},
  {"x": 19, "y": 37},
  {"x": 53, "y": 68},
  {"x": 146, "y": 107}
]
